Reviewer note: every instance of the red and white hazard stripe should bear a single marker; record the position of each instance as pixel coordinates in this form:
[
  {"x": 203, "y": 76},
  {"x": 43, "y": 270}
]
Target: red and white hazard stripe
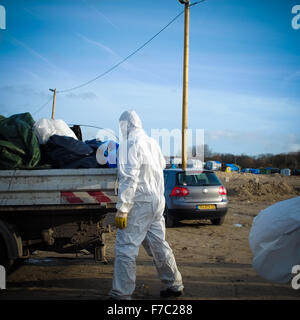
[{"x": 79, "y": 197}]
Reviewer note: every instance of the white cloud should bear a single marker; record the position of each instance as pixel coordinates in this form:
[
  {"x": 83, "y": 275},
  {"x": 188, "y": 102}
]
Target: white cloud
[
  {"x": 294, "y": 147},
  {"x": 242, "y": 112},
  {"x": 22, "y": 91},
  {"x": 18, "y": 43},
  {"x": 105, "y": 17},
  {"x": 116, "y": 57},
  {"x": 83, "y": 95},
  {"x": 99, "y": 45},
  {"x": 251, "y": 142}
]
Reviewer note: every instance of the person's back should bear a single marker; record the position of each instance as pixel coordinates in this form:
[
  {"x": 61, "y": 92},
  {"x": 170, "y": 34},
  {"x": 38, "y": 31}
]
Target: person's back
[
  {"x": 152, "y": 162},
  {"x": 141, "y": 199}
]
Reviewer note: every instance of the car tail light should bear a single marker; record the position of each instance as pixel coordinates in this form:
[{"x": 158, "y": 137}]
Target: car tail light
[
  {"x": 179, "y": 192},
  {"x": 222, "y": 191}
]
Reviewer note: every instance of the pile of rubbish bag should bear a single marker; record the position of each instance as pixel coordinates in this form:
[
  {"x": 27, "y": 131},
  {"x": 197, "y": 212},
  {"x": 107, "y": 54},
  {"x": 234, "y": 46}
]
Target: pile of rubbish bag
[
  {"x": 26, "y": 144},
  {"x": 19, "y": 146},
  {"x": 274, "y": 240}
]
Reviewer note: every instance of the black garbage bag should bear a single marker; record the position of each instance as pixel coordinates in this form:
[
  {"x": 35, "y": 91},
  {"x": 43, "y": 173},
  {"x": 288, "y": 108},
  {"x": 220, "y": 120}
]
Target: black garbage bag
[
  {"x": 94, "y": 143},
  {"x": 85, "y": 162},
  {"x": 77, "y": 130},
  {"x": 19, "y": 146},
  {"x": 68, "y": 153}
]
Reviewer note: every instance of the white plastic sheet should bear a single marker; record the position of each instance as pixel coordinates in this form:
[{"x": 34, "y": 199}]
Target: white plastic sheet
[
  {"x": 195, "y": 164},
  {"x": 107, "y": 154},
  {"x": 275, "y": 240},
  {"x": 45, "y": 128}
]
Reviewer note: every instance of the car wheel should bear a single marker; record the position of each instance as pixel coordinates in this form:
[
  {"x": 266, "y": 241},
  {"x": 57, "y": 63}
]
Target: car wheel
[{"x": 217, "y": 221}]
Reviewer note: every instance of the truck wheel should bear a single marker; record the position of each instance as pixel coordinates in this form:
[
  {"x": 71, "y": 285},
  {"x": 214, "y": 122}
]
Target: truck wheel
[
  {"x": 100, "y": 254},
  {"x": 218, "y": 221},
  {"x": 4, "y": 260}
]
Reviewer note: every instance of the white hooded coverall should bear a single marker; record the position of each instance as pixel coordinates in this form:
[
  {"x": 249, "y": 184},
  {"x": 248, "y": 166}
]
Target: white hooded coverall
[{"x": 141, "y": 195}]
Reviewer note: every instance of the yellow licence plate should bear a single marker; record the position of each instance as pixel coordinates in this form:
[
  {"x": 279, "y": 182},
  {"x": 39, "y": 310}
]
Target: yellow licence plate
[{"x": 206, "y": 207}]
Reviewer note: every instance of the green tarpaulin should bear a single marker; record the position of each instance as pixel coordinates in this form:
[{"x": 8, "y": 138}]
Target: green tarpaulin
[{"x": 19, "y": 146}]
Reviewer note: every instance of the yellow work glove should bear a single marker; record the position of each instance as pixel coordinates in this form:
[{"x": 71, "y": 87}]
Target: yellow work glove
[{"x": 121, "y": 220}]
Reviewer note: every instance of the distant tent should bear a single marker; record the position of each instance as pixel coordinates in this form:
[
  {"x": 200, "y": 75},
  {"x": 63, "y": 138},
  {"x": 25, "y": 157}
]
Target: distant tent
[
  {"x": 213, "y": 165},
  {"x": 255, "y": 171},
  {"x": 233, "y": 167}
]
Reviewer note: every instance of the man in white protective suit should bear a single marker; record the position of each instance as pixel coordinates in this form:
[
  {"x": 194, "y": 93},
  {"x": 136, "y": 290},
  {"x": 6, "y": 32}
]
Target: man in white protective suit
[{"x": 140, "y": 206}]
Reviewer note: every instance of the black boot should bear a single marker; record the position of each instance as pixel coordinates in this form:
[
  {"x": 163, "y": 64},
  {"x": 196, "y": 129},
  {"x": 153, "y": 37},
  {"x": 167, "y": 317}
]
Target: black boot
[{"x": 168, "y": 293}]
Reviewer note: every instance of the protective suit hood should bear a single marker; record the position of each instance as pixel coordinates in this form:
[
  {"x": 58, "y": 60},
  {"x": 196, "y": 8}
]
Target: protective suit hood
[{"x": 129, "y": 121}]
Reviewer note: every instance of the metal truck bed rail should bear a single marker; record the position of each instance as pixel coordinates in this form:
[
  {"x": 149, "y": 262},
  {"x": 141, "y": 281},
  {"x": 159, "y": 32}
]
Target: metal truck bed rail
[{"x": 62, "y": 189}]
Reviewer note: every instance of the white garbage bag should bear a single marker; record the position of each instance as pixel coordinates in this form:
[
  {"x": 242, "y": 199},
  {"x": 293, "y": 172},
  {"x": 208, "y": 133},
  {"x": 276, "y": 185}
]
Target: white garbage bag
[
  {"x": 45, "y": 128},
  {"x": 274, "y": 240}
]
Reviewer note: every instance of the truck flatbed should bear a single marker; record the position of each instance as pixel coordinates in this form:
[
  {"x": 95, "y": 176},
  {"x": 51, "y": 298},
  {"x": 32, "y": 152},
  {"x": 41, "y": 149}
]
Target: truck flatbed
[{"x": 58, "y": 210}]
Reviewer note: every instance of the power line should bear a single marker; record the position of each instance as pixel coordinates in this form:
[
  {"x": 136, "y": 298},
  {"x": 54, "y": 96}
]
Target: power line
[
  {"x": 118, "y": 64},
  {"x": 129, "y": 56},
  {"x": 43, "y": 106},
  {"x": 89, "y": 126},
  {"x": 195, "y": 3},
  {"x": 125, "y": 59}
]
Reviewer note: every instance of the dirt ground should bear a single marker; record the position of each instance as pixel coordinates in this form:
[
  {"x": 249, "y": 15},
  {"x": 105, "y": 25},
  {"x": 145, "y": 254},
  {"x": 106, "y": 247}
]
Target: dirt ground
[{"x": 215, "y": 261}]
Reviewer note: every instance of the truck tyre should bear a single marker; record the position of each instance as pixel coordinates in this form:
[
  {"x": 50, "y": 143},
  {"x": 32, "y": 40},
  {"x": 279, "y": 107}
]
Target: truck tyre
[
  {"x": 4, "y": 260},
  {"x": 99, "y": 254}
]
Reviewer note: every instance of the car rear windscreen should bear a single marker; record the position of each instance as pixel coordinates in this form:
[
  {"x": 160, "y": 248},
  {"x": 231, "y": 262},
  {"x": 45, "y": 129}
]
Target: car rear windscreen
[{"x": 198, "y": 179}]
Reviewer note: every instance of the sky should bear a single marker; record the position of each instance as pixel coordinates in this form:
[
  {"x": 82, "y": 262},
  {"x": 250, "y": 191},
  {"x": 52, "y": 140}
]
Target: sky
[{"x": 244, "y": 67}]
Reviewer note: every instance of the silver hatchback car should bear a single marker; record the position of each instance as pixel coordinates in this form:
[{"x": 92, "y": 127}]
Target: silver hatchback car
[{"x": 192, "y": 195}]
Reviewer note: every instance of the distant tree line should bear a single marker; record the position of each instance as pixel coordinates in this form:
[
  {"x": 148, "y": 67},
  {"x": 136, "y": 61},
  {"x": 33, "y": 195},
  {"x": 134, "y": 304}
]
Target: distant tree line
[
  {"x": 283, "y": 160},
  {"x": 289, "y": 160}
]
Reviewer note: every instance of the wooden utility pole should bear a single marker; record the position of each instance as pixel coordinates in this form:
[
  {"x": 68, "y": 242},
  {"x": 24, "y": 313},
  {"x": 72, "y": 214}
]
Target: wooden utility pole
[
  {"x": 53, "y": 104},
  {"x": 185, "y": 82}
]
